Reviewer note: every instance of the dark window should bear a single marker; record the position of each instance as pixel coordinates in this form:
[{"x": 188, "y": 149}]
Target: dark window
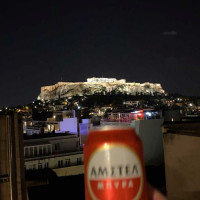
[
  {"x": 40, "y": 150},
  {"x": 77, "y": 144},
  {"x": 67, "y": 162},
  {"x": 34, "y": 166},
  {"x": 31, "y": 151},
  {"x": 79, "y": 162},
  {"x": 57, "y": 147},
  {"x": 49, "y": 149},
  {"x": 46, "y": 165},
  {"x": 35, "y": 151},
  {"x": 44, "y": 150},
  {"x": 60, "y": 163},
  {"x": 39, "y": 165}
]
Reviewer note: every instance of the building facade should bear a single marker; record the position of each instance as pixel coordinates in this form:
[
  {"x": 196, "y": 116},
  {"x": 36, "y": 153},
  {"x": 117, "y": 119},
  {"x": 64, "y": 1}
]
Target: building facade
[
  {"x": 54, "y": 152},
  {"x": 12, "y": 177}
]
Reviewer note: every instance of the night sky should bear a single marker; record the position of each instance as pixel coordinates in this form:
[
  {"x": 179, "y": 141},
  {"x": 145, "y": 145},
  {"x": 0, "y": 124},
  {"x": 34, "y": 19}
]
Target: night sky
[{"x": 44, "y": 42}]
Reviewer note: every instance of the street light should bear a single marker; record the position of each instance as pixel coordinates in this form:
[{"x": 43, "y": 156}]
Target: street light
[
  {"x": 54, "y": 117},
  {"x": 78, "y": 115}
]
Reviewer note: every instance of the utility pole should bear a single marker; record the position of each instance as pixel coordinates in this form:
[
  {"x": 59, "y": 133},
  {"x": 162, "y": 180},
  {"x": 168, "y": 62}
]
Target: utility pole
[{"x": 78, "y": 126}]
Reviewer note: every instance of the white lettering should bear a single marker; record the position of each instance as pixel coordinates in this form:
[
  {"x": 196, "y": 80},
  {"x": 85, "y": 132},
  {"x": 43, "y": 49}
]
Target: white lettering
[
  {"x": 123, "y": 184},
  {"x": 109, "y": 185},
  {"x": 114, "y": 171},
  {"x": 130, "y": 184},
  {"x": 100, "y": 186},
  {"x": 116, "y": 184}
]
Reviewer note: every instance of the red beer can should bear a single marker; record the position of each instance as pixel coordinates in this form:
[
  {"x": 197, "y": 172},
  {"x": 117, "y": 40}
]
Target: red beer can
[{"x": 114, "y": 165}]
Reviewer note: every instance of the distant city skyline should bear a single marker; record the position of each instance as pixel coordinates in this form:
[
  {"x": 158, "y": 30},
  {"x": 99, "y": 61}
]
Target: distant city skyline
[{"x": 140, "y": 41}]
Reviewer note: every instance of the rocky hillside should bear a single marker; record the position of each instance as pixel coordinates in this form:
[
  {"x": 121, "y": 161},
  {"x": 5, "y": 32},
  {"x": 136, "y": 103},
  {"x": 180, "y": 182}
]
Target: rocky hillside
[{"x": 66, "y": 89}]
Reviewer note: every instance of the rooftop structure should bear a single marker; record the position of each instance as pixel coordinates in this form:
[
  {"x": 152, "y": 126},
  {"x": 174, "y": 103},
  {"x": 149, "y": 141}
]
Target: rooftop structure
[
  {"x": 128, "y": 116},
  {"x": 181, "y": 142},
  {"x": 60, "y": 122}
]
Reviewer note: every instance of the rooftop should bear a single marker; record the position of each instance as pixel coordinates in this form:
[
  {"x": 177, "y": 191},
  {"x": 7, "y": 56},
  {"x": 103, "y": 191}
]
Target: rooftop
[
  {"x": 46, "y": 135},
  {"x": 190, "y": 128}
]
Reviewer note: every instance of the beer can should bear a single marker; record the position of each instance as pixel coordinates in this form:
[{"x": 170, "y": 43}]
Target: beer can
[{"x": 114, "y": 165}]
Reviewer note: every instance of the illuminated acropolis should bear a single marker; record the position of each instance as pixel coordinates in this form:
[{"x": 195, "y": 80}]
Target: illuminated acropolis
[
  {"x": 101, "y": 86},
  {"x": 105, "y": 80}
]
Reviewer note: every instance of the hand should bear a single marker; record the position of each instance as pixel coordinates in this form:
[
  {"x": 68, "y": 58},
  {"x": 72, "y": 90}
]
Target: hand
[{"x": 154, "y": 194}]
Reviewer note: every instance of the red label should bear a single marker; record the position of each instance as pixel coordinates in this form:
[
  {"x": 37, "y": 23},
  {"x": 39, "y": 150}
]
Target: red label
[{"x": 116, "y": 188}]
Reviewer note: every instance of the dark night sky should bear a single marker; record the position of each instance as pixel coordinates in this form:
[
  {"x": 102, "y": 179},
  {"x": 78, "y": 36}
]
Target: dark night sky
[{"x": 141, "y": 41}]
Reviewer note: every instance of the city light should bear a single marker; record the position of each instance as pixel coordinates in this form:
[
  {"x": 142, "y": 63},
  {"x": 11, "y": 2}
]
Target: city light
[{"x": 149, "y": 114}]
